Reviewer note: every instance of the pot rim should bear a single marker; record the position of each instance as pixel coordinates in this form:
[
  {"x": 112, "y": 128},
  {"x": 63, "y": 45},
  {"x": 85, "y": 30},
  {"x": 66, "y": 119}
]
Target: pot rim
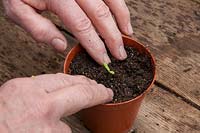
[{"x": 139, "y": 96}]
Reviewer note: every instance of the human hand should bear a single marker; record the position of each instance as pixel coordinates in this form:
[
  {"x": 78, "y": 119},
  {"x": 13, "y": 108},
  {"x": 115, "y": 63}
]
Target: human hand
[
  {"x": 35, "y": 105},
  {"x": 84, "y": 18}
]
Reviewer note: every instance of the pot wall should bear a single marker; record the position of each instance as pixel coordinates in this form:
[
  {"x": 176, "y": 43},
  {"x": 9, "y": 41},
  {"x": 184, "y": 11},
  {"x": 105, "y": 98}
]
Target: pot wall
[{"x": 117, "y": 117}]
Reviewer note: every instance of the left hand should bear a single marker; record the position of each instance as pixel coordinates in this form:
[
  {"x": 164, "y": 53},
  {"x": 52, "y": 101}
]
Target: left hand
[{"x": 84, "y": 18}]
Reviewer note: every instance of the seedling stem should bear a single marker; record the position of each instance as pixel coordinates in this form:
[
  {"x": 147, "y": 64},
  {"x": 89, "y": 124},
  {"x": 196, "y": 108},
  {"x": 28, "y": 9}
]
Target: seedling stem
[{"x": 108, "y": 69}]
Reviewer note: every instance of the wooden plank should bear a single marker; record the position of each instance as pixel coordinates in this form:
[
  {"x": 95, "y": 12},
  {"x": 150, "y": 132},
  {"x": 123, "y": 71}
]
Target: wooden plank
[
  {"x": 161, "y": 112},
  {"x": 14, "y": 64},
  {"x": 171, "y": 29},
  {"x": 75, "y": 124},
  {"x": 21, "y": 56}
]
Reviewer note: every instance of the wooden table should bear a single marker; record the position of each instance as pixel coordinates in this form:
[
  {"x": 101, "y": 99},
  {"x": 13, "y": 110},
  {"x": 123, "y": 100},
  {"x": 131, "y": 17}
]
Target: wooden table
[{"x": 171, "y": 30}]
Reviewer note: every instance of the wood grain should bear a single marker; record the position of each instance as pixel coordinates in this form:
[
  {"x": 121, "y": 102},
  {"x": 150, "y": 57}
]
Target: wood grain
[
  {"x": 171, "y": 30},
  {"x": 161, "y": 112}
]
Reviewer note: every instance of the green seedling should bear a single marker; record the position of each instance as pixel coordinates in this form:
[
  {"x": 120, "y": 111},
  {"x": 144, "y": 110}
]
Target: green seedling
[{"x": 108, "y": 69}]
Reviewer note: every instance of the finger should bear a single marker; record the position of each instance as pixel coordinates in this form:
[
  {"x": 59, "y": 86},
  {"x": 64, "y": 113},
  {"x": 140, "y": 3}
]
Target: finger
[
  {"x": 74, "y": 98},
  {"x": 122, "y": 15},
  {"x": 76, "y": 20},
  {"x": 101, "y": 17},
  {"x": 37, "y": 4},
  {"x": 39, "y": 27},
  {"x": 53, "y": 82}
]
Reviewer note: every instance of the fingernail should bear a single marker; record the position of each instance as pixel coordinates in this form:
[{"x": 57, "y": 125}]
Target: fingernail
[
  {"x": 106, "y": 59},
  {"x": 110, "y": 92},
  {"x": 130, "y": 29},
  {"x": 122, "y": 52},
  {"x": 59, "y": 44}
]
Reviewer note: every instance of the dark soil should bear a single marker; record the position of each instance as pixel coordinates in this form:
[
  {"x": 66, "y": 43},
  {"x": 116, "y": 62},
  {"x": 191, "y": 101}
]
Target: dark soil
[{"x": 132, "y": 76}]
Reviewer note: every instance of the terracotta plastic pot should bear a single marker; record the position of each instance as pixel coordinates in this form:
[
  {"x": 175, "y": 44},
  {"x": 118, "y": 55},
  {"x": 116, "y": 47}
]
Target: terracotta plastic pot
[{"x": 117, "y": 117}]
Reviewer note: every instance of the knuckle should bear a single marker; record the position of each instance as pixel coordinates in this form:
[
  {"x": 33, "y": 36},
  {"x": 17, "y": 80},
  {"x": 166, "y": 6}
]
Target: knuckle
[
  {"x": 116, "y": 38},
  {"x": 101, "y": 86},
  {"x": 43, "y": 109},
  {"x": 83, "y": 78},
  {"x": 93, "y": 81},
  {"x": 40, "y": 33},
  {"x": 88, "y": 93},
  {"x": 99, "y": 47},
  {"x": 83, "y": 25},
  {"x": 61, "y": 74},
  {"x": 125, "y": 13},
  {"x": 102, "y": 11},
  {"x": 63, "y": 79}
]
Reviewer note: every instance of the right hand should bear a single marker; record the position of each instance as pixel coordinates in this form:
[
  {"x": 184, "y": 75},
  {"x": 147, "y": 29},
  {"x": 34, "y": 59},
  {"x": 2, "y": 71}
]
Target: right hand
[
  {"x": 82, "y": 18},
  {"x": 35, "y": 105}
]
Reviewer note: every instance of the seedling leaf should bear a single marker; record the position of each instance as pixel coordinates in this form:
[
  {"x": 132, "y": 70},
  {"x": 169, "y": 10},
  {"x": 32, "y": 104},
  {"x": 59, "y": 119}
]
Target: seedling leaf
[{"x": 108, "y": 69}]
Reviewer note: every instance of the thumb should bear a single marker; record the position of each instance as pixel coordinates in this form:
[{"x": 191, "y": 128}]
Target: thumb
[
  {"x": 71, "y": 100},
  {"x": 41, "y": 29}
]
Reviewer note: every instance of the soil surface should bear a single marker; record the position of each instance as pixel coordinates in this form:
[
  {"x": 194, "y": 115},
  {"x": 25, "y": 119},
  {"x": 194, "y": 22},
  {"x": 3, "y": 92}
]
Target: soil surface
[{"x": 132, "y": 76}]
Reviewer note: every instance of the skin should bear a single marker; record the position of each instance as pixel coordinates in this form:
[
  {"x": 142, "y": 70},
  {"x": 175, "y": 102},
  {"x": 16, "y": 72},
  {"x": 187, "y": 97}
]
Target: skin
[
  {"x": 35, "y": 105},
  {"x": 84, "y": 18}
]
